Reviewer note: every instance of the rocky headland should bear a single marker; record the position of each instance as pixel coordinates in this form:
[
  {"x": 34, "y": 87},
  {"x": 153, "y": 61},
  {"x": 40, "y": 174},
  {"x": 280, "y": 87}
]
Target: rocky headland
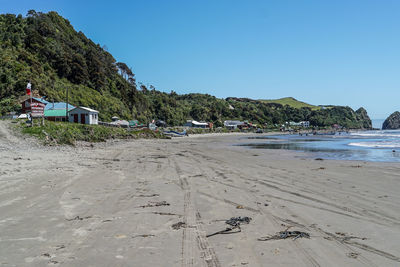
[{"x": 392, "y": 122}]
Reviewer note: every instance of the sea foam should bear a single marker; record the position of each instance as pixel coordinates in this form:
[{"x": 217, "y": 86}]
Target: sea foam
[
  {"x": 382, "y": 144},
  {"x": 383, "y": 134}
]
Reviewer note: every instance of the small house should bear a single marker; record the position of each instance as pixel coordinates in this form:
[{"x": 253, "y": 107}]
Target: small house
[
  {"x": 56, "y": 111},
  {"x": 26, "y": 104},
  {"x": 305, "y": 124},
  {"x": 55, "y": 114},
  {"x": 84, "y": 115},
  {"x": 233, "y": 124},
  {"x": 292, "y": 123}
]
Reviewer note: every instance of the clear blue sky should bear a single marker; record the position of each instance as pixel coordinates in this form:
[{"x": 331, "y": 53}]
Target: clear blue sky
[{"x": 342, "y": 52}]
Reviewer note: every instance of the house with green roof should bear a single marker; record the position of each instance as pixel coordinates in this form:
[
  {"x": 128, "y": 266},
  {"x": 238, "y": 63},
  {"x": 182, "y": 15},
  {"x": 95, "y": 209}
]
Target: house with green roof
[
  {"x": 57, "y": 111},
  {"x": 53, "y": 111},
  {"x": 55, "y": 114}
]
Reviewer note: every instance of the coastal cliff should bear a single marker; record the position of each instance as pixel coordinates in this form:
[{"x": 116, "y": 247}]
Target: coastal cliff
[
  {"x": 363, "y": 118},
  {"x": 392, "y": 122}
]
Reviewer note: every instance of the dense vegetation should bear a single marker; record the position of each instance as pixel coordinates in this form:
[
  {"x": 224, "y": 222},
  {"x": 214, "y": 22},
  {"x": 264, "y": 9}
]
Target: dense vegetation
[
  {"x": 45, "y": 49},
  {"x": 65, "y": 133}
]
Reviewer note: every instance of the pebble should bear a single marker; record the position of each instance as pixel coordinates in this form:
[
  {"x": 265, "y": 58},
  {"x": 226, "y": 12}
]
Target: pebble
[{"x": 229, "y": 246}]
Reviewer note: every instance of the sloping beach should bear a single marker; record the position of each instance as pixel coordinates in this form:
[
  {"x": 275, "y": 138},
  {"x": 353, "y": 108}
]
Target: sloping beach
[{"x": 153, "y": 202}]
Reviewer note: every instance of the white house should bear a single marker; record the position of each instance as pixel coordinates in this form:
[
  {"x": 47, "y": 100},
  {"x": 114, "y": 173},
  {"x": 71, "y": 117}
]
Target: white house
[
  {"x": 233, "y": 124},
  {"x": 84, "y": 115},
  {"x": 304, "y": 124},
  {"x": 196, "y": 124}
]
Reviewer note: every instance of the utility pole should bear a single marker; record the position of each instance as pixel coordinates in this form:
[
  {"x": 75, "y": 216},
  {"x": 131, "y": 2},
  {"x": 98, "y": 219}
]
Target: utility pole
[
  {"x": 66, "y": 108},
  {"x": 30, "y": 90}
]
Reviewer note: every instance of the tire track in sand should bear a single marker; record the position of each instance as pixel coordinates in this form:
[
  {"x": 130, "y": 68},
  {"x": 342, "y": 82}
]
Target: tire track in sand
[{"x": 193, "y": 233}]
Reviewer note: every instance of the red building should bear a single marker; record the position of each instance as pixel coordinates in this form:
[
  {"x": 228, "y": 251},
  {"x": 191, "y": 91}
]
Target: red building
[{"x": 26, "y": 105}]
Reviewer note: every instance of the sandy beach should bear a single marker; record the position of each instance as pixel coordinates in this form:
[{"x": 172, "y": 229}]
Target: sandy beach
[{"x": 153, "y": 202}]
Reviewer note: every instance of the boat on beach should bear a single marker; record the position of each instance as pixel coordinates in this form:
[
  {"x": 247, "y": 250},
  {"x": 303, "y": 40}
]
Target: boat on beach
[{"x": 175, "y": 134}]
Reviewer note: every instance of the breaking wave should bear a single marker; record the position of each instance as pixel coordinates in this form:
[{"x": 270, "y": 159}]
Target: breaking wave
[
  {"x": 382, "y": 144},
  {"x": 387, "y": 133}
]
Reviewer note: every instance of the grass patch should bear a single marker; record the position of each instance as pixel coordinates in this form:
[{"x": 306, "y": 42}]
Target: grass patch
[
  {"x": 70, "y": 133},
  {"x": 291, "y": 102},
  {"x": 205, "y": 131}
]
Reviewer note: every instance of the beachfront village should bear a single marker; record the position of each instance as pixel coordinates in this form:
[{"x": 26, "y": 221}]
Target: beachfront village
[
  {"x": 199, "y": 133},
  {"x": 40, "y": 108}
]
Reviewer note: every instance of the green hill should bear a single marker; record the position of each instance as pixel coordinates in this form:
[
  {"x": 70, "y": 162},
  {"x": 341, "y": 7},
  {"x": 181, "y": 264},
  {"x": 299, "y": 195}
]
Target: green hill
[
  {"x": 45, "y": 49},
  {"x": 291, "y": 102}
]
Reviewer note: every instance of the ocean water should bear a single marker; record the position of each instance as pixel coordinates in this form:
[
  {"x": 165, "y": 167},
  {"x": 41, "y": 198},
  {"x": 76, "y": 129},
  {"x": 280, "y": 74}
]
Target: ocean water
[
  {"x": 377, "y": 123},
  {"x": 382, "y": 145}
]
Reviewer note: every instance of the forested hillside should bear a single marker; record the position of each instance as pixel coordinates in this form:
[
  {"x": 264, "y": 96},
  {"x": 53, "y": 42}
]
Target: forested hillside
[{"x": 45, "y": 49}]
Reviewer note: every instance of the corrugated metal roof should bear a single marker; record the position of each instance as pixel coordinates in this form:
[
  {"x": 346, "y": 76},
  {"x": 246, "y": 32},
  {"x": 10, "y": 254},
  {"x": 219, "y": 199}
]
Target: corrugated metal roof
[
  {"x": 40, "y": 100},
  {"x": 232, "y": 123},
  {"x": 58, "y": 105},
  {"x": 55, "y": 113},
  {"x": 199, "y": 123},
  {"x": 87, "y": 109}
]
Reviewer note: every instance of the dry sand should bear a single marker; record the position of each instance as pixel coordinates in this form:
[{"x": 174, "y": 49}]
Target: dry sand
[{"x": 114, "y": 204}]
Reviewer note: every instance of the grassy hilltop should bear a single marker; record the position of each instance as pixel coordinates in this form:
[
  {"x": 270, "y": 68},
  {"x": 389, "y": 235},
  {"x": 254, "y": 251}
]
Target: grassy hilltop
[
  {"x": 294, "y": 103},
  {"x": 45, "y": 49}
]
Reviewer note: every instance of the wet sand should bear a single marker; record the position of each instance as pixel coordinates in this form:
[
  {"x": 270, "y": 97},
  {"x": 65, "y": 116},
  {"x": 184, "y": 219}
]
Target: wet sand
[{"x": 114, "y": 204}]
